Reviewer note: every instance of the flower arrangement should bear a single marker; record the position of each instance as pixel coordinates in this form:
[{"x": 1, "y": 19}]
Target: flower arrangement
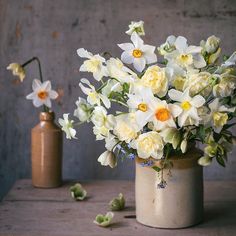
[
  {"x": 42, "y": 90},
  {"x": 170, "y": 96}
]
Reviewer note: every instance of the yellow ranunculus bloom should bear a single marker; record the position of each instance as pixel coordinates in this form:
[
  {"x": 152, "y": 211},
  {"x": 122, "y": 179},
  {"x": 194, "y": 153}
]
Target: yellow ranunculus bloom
[{"x": 155, "y": 78}]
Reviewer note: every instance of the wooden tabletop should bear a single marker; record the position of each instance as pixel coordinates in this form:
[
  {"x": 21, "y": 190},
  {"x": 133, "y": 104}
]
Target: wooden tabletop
[{"x": 28, "y": 211}]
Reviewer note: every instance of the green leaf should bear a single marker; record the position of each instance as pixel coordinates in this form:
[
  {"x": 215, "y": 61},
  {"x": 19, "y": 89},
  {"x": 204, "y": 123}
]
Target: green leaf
[
  {"x": 220, "y": 160},
  {"x": 156, "y": 168}
]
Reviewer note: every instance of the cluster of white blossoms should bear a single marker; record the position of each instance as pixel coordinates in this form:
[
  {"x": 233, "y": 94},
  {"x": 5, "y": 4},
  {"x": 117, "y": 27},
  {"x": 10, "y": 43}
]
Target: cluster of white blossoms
[{"x": 164, "y": 105}]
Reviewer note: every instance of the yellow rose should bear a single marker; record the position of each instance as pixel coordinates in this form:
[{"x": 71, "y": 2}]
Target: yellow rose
[
  {"x": 219, "y": 119},
  {"x": 155, "y": 78},
  {"x": 149, "y": 145}
]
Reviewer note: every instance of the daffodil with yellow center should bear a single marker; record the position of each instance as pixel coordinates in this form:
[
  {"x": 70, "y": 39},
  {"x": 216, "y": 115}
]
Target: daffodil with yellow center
[
  {"x": 143, "y": 107},
  {"x": 185, "y": 59},
  {"x": 137, "y": 53},
  {"x": 189, "y": 106},
  {"x": 94, "y": 64}
]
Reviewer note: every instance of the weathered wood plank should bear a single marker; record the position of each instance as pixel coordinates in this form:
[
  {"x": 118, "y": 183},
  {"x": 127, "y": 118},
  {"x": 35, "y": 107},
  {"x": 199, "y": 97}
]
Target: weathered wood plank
[{"x": 27, "y": 211}]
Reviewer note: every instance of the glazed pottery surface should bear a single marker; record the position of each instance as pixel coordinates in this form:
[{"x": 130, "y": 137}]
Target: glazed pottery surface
[
  {"x": 46, "y": 152},
  {"x": 180, "y": 203}
]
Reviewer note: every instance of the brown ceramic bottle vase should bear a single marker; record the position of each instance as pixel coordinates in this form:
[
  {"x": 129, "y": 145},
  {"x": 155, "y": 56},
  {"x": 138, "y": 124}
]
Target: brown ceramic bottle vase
[{"x": 46, "y": 152}]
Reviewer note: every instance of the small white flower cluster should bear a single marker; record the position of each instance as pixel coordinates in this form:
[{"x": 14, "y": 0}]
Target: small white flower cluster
[{"x": 166, "y": 105}]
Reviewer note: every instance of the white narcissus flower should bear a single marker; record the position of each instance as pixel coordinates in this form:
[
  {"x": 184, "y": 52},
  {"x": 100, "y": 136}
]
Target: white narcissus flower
[
  {"x": 67, "y": 126},
  {"x": 17, "y": 70},
  {"x": 189, "y": 105},
  {"x": 137, "y": 53},
  {"x": 163, "y": 114},
  {"x": 83, "y": 110},
  {"x": 94, "y": 64},
  {"x": 93, "y": 96},
  {"x": 126, "y": 127},
  {"x": 168, "y": 46},
  {"x": 42, "y": 93},
  {"x": 136, "y": 26},
  {"x": 110, "y": 142},
  {"x": 149, "y": 144},
  {"x": 108, "y": 159},
  {"x": 103, "y": 122},
  {"x": 139, "y": 103},
  {"x": 117, "y": 70},
  {"x": 186, "y": 56},
  {"x": 155, "y": 78},
  {"x": 218, "y": 115}
]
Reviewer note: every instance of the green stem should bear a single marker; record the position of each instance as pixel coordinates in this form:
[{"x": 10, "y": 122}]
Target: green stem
[{"x": 121, "y": 103}]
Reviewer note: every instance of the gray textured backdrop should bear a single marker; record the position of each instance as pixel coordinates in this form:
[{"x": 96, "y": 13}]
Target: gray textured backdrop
[{"x": 53, "y": 30}]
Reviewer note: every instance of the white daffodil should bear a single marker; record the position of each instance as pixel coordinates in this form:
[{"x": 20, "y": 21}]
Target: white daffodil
[
  {"x": 110, "y": 142},
  {"x": 42, "y": 93},
  {"x": 137, "y": 53},
  {"x": 155, "y": 78},
  {"x": 186, "y": 56},
  {"x": 149, "y": 144},
  {"x": 67, "y": 126},
  {"x": 83, "y": 110},
  {"x": 93, "y": 96},
  {"x": 117, "y": 70},
  {"x": 168, "y": 46},
  {"x": 94, "y": 64},
  {"x": 136, "y": 26},
  {"x": 111, "y": 86},
  {"x": 139, "y": 103},
  {"x": 163, "y": 114},
  {"x": 103, "y": 122},
  {"x": 218, "y": 114},
  {"x": 189, "y": 105},
  {"x": 126, "y": 128},
  {"x": 17, "y": 70},
  {"x": 108, "y": 159}
]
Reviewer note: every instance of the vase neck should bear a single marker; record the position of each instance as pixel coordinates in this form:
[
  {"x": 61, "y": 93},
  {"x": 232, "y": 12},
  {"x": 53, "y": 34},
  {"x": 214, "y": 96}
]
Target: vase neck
[{"x": 46, "y": 116}]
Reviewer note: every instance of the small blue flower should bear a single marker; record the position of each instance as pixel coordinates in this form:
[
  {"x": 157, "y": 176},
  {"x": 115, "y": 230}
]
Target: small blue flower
[{"x": 147, "y": 163}]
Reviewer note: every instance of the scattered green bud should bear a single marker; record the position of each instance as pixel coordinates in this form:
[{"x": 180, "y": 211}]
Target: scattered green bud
[
  {"x": 78, "y": 192},
  {"x": 118, "y": 203}
]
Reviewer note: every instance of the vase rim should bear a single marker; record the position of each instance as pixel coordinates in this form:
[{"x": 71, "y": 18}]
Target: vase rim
[{"x": 46, "y": 116}]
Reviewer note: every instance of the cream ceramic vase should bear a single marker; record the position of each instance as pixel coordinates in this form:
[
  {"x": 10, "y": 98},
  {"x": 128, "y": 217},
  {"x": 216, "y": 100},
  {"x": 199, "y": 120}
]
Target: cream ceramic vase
[
  {"x": 180, "y": 203},
  {"x": 46, "y": 152}
]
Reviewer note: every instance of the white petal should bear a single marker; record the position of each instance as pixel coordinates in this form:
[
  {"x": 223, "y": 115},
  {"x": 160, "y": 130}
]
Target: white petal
[
  {"x": 31, "y": 96},
  {"x": 181, "y": 43},
  {"x": 48, "y": 102},
  {"x": 126, "y": 46},
  {"x": 37, "y": 102},
  {"x": 150, "y": 58},
  {"x": 198, "y": 101},
  {"x": 171, "y": 39},
  {"x": 175, "y": 110},
  {"x": 193, "y": 49},
  {"x": 182, "y": 118},
  {"x": 148, "y": 48},
  {"x": 83, "y": 68},
  {"x": 72, "y": 132},
  {"x": 127, "y": 57},
  {"x": 105, "y": 101},
  {"x": 84, "y": 89},
  {"x": 46, "y": 85},
  {"x": 175, "y": 95},
  {"x": 53, "y": 94},
  {"x": 36, "y": 84},
  {"x": 137, "y": 41},
  {"x": 84, "y": 53},
  {"x": 199, "y": 61},
  {"x": 139, "y": 64}
]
